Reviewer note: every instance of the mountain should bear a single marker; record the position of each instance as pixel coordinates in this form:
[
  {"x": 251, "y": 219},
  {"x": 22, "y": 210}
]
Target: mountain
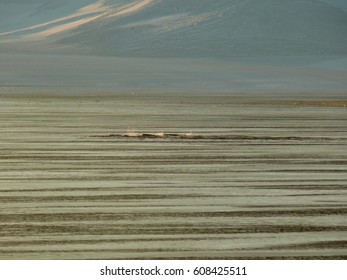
[
  {"x": 175, "y": 45},
  {"x": 177, "y": 28}
]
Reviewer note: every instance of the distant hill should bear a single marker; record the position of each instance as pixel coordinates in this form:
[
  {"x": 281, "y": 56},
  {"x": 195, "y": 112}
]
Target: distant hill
[
  {"x": 176, "y": 28},
  {"x": 232, "y": 46}
]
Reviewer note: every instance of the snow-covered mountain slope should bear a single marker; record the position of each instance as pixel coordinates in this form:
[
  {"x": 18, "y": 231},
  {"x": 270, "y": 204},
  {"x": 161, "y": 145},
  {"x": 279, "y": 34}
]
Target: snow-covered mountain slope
[
  {"x": 176, "y": 28},
  {"x": 175, "y": 45},
  {"x": 33, "y": 19}
]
